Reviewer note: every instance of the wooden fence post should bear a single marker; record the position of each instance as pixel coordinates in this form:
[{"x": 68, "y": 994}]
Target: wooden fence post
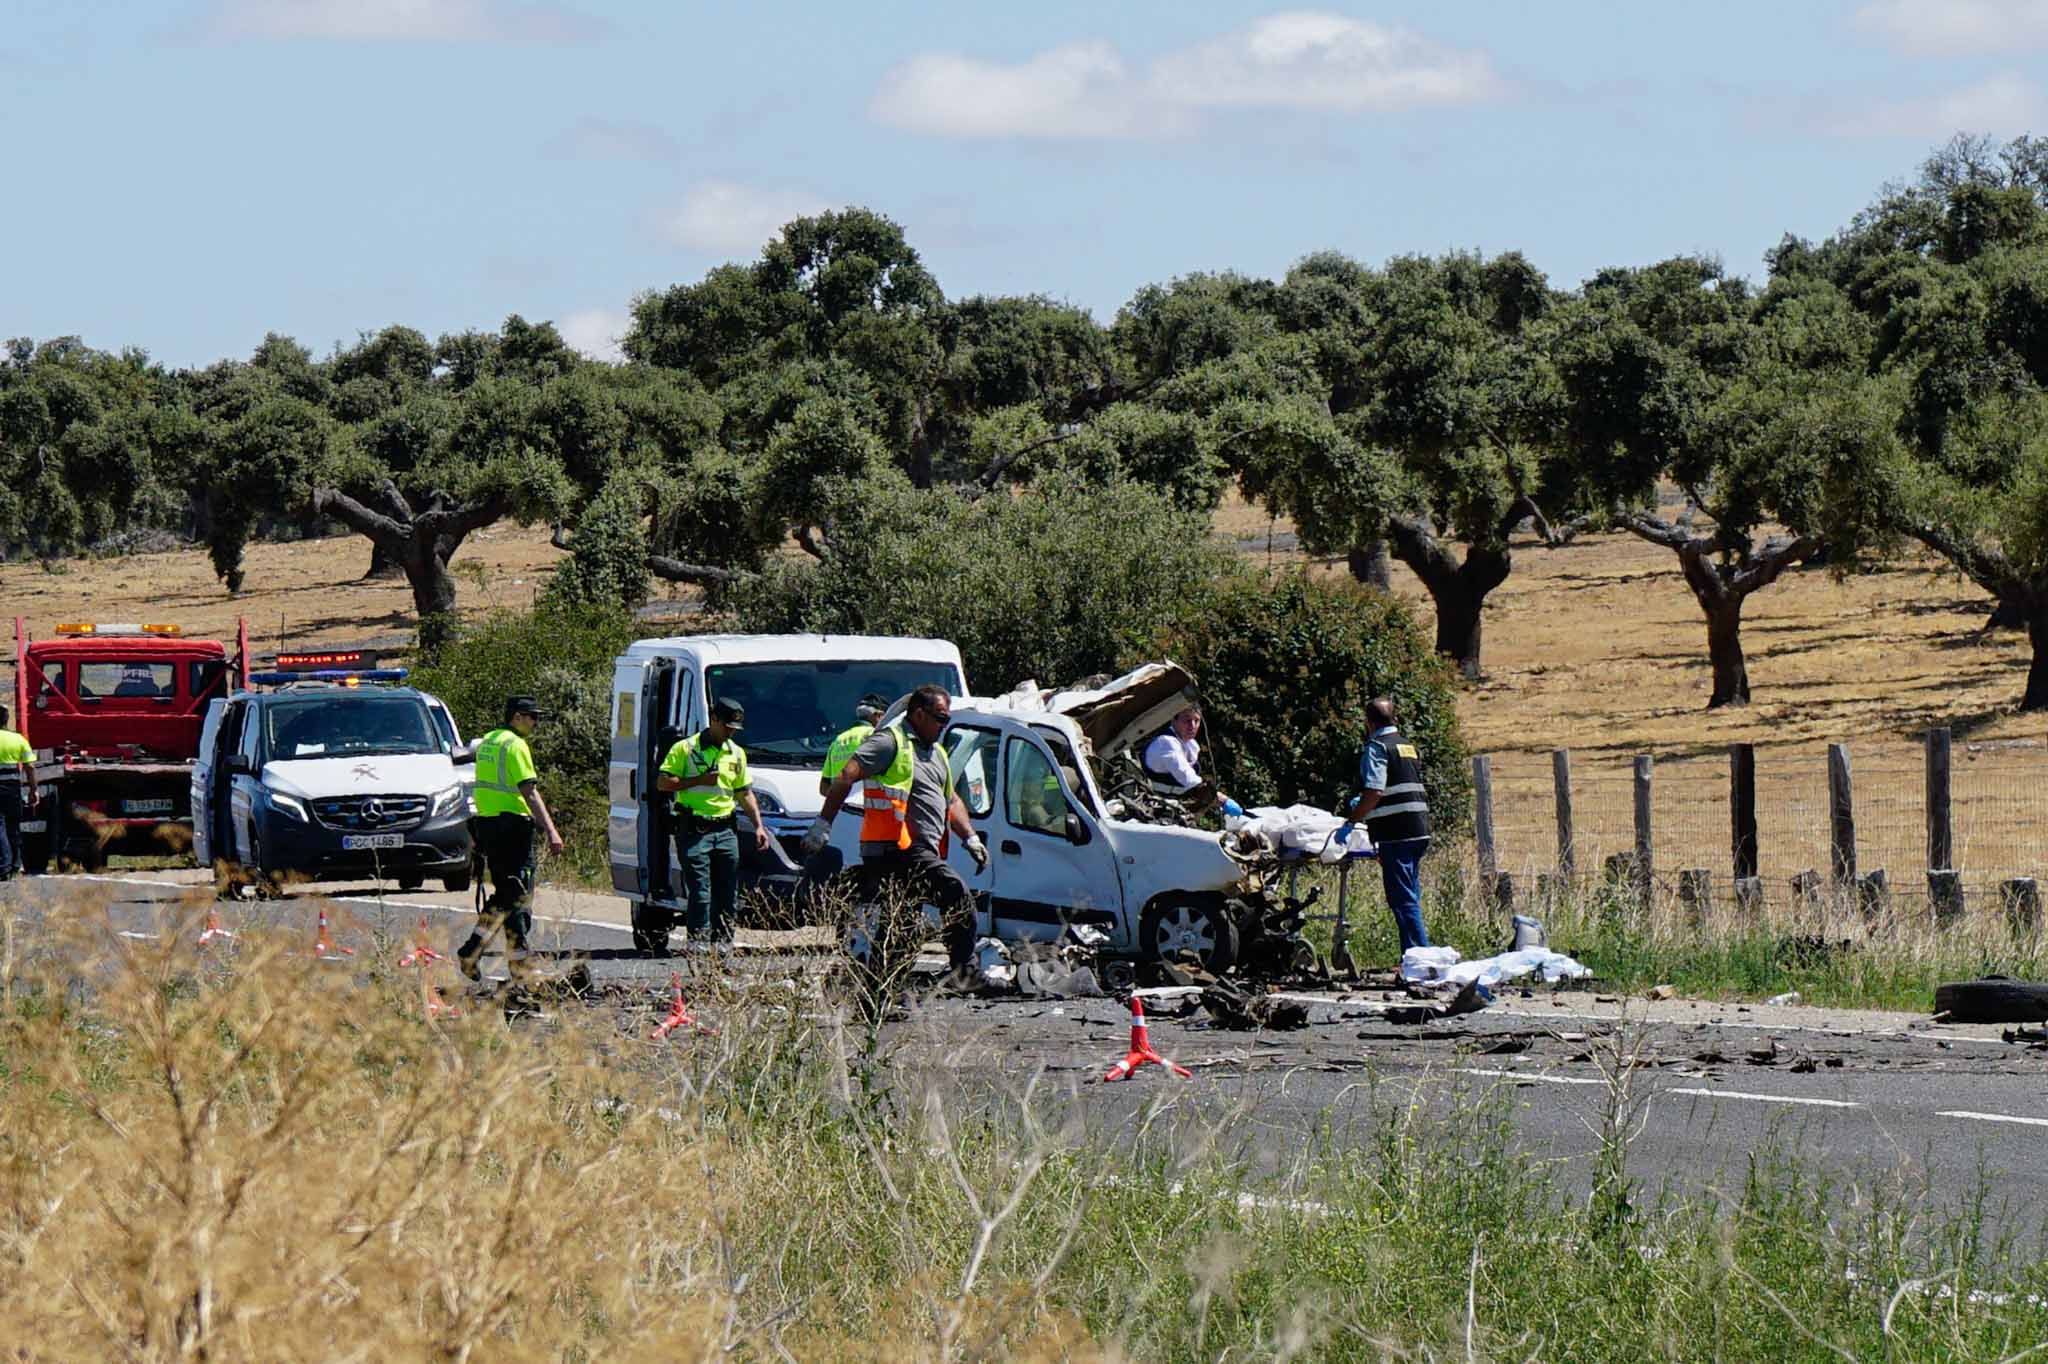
[
  {"x": 1482, "y": 823},
  {"x": 1944, "y": 885},
  {"x": 1742, "y": 825},
  {"x": 1841, "y": 816},
  {"x": 2023, "y": 906},
  {"x": 1645, "y": 867},
  {"x": 1561, "y": 783}
]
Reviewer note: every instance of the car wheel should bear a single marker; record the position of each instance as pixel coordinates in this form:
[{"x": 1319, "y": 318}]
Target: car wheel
[
  {"x": 1173, "y": 928},
  {"x": 454, "y": 884},
  {"x": 1993, "y": 999},
  {"x": 85, "y": 853},
  {"x": 413, "y": 882}
]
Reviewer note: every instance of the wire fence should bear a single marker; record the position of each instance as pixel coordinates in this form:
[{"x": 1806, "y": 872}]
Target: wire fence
[{"x": 1998, "y": 801}]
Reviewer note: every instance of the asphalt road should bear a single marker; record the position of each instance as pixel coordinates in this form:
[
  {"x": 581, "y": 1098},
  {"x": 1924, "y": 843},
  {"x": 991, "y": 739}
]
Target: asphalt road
[{"x": 1877, "y": 1100}]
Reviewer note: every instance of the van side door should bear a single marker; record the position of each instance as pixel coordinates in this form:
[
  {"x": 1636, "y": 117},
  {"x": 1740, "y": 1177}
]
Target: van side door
[
  {"x": 1053, "y": 864},
  {"x": 662, "y": 688},
  {"x": 202, "y": 779}
]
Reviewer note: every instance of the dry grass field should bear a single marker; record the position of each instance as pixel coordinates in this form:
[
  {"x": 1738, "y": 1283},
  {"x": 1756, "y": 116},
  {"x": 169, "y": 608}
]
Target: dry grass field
[{"x": 1596, "y": 647}]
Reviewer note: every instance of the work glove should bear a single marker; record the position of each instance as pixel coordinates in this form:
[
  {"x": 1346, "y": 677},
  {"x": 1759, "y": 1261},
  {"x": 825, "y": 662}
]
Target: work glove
[
  {"x": 816, "y": 837},
  {"x": 977, "y": 850},
  {"x": 1231, "y": 807}
]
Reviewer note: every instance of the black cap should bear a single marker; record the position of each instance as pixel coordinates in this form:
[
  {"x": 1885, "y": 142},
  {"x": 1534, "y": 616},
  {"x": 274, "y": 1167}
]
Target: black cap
[
  {"x": 729, "y": 712},
  {"x": 523, "y": 705}
]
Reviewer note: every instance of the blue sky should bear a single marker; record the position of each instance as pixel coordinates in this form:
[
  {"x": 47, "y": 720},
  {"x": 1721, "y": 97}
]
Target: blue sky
[{"x": 187, "y": 175}]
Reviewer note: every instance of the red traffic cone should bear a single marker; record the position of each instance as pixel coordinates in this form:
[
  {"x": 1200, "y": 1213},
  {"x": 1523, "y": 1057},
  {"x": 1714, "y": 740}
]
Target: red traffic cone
[
  {"x": 679, "y": 1014},
  {"x": 215, "y": 930},
  {"x": 1141, "y": 1053},
  {"x": 324, "y": 947},
  {"x": 431, "y": 1002},
  {"x": 422, "y": 952}
]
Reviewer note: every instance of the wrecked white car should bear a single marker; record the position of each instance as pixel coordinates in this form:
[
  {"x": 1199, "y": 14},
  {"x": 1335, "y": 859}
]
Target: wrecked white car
[{"x": 1061, "y": 851}]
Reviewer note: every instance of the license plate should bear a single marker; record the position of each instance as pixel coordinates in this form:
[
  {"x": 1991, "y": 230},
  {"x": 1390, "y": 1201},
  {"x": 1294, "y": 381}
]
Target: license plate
[
  {"x": 352, "y": 842},
  {"x": 158, "y": 806}
]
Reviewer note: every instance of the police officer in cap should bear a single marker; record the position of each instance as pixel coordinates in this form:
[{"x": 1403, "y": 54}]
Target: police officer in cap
[
  {"x": 707, "y": 771},
  {"x": 508, "y": 808}
]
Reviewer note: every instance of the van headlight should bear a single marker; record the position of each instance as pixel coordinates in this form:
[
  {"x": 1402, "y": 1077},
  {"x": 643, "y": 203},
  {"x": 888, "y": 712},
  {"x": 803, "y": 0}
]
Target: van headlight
[
  {"x": 290, "y": 806},
  {"x": 448, "y": 802}
]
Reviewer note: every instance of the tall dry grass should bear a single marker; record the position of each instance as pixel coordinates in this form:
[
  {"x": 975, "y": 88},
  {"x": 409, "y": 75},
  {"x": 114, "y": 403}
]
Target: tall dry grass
[{"x": 251, "y": 1155}]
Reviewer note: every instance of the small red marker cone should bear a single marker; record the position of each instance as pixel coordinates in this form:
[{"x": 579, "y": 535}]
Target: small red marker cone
[
  {"x": 1141, "y": 1053},
  {"x": 679, "y": 1014},
  {"x": 422, "y": 952},
  {"x": 432, "y": 1003},
  {"x": 215, "y": 930},
  {"x": 324, "y": 947}
]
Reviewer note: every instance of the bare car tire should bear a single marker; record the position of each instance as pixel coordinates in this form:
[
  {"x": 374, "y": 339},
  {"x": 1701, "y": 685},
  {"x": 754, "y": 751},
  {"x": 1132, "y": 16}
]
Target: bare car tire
[
  {"x": 1171, "y": 927},
  {"x": 1993, "y": 999}
]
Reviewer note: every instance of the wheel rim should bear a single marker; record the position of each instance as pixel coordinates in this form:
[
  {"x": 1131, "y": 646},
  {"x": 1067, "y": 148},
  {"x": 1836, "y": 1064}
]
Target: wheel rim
[{"x": 1184, "y": 929}]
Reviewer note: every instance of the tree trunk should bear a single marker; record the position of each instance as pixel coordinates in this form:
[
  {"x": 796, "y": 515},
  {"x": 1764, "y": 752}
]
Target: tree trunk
[
  {"x": 1724, "y": 647},
  {"x": 384, "y": 565},
  {"x": 1458, "y": 589},
  {"x": 2037, "y": 670},
  {"x": 1372, "y": 565}
]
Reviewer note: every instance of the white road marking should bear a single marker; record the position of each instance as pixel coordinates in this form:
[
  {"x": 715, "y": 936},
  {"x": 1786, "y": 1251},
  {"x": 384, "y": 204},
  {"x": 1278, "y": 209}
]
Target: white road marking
[
  {"x": 1764, "y": 1098},
  {"x": 1991, "y": 1117},
  {"x": 1530, "y": 1075}
]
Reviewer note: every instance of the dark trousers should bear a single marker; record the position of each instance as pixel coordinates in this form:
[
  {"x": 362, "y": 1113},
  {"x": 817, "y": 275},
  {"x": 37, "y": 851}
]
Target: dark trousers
[
  {"x": 1401, "y": 875},
  {"x": 710, "y": 858},
  {"x": 506, "y": 842},
  {"x": 918, "y": 876},
  {"x": 10, "y": 827}
]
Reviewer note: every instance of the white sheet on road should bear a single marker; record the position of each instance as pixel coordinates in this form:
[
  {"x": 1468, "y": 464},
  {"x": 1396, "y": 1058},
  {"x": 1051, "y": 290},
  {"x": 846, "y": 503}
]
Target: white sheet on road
[{"x": 1441, "y": 967}]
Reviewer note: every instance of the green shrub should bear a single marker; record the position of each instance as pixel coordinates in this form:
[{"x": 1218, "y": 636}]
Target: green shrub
[
  {"x": 1056, "y": 581},
  {"x": 1286, "y": 665},
  {"x": 563, "y": 656},
  {"x": 607, "y": 563}
]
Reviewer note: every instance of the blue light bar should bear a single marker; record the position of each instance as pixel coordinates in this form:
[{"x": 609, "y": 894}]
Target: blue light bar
[{"x": 347, "y": 679}]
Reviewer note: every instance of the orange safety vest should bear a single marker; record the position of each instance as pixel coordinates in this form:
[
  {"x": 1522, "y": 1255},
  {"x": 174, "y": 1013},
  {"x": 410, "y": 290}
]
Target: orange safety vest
[{"x": 885, "y": 796}]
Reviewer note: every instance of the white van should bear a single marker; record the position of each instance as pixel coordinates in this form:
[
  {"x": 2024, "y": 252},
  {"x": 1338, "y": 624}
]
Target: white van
[
  {"x": 330, "y": 781},
  {"x": 799, "y": 691}
]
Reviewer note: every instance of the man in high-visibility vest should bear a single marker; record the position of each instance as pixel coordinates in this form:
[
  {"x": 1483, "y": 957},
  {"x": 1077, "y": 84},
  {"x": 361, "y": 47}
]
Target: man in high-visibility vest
[
  {"x": 908, "y": 808},
  {"x": 508, "y": 809},
  {"x": 867, "y": 713},
  {"x": 707, "y": 771},
  {"x": 1395, "y": 808},
  {"x": 17, "y": 790}
]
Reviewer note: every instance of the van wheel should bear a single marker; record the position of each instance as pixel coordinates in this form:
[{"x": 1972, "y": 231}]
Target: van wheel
[
  {"x": 412, "y": 882},
  {"x": 1173, "y": 928},
  {"x": 455, "y": 884},
  {"x": 651, "y": 925}
]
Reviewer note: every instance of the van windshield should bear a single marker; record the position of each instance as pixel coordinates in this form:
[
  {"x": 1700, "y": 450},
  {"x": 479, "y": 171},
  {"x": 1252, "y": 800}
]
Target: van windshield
[
  {"x": 795, "y": 709},
  {"x": 348, "y": 726}
]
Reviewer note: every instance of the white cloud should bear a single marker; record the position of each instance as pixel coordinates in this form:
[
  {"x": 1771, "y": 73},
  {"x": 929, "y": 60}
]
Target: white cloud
[
  {"x": 595, "y": 332},
  {"x": 2001, "y": 104},
  {"x": 1081, "y": 90},
  {"x": 1298, "y": 59},
  {"x": 598, "y": 139},
  {"x": 1948, "y": 28},
  {"x": 394, "y": 21},
  {"x": 727, "y": 216}
]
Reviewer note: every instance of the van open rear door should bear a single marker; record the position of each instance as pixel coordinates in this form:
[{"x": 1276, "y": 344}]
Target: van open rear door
[{"x": 638, "y": 823}]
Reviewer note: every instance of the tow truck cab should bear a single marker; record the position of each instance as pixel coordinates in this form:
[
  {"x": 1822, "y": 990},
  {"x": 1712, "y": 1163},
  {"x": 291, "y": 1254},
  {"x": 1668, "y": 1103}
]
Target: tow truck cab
[
  {"x": 115, "y": 713},
  {"x": 799, "y": 691},
  {"x": 326, "y": 779}
]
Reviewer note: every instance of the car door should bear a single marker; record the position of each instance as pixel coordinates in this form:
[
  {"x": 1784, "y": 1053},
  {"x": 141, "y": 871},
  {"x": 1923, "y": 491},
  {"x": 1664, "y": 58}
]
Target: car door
[
  {"x": 1053, "y": 865},
  {"x": 661, "y": 708},
  {"x": 975, "y": 753},
  {"x": 202, "y": 777},
  {"x": 242, "y": 788}
]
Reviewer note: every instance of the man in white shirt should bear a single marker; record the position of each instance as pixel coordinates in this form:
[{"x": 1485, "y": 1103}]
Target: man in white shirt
[{"x": 1174, "y": 758}]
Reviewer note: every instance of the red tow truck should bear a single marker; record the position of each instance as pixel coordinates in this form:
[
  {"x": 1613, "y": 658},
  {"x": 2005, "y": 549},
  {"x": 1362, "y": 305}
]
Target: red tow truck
[{"x": 114, "y": 714}]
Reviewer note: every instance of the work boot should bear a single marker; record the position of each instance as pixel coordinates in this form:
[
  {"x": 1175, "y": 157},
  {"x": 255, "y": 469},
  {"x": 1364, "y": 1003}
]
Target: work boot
[{"x": 467, "y": 955}]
